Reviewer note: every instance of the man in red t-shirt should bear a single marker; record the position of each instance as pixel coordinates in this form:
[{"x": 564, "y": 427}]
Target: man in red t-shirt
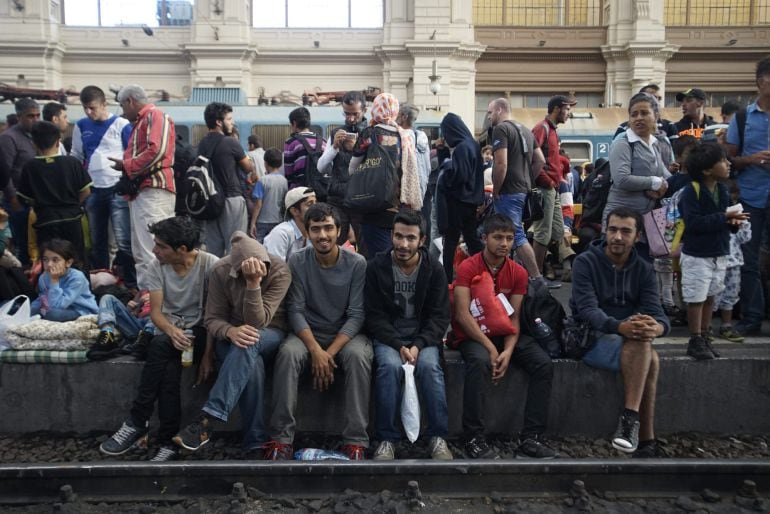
[{"x": 487, "y": 358}]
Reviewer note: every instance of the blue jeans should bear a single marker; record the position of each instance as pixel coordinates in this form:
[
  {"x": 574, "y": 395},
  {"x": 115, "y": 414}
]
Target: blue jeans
[
  {"x": 113, "y": 312},
  {"x": 104, "y": 206},
  {"x": 264, "y": 229},
  {"x": 61, "y": 315},
  {"x": 18, "y": 223},
  {"x": 388, "y": 386},
  {"x": 242, "y": 379},
  {"x": 752, "y": 296},
  {"x": 512, "y": 205},
  {"x": 376, "y": 239},
  {"x": 605, "y": 353}
]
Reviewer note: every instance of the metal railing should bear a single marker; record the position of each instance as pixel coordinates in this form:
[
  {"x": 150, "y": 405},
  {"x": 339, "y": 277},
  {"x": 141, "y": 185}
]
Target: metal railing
[
  {"x": 715, "y": 13},
  {"x": 538, "y": 13}
]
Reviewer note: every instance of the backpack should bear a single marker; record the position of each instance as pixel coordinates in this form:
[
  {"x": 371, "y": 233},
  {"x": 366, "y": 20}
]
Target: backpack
[
  {"x": 314, "y": 179},
  {"x": 595, "y": 190},
  {"x": 540, "y": 303},
  {"x": 740, "y": 120},
  {"x": 184, "y": 157},
  {"x": 203, "y": 197}
]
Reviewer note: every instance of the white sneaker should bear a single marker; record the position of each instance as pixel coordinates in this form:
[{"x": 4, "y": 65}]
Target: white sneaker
[
  {"x": 439, "y": 449},
  {"x": 385, "y": 451}
]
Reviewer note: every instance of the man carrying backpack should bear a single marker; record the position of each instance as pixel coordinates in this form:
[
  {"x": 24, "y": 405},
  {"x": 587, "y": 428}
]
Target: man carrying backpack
[
  {"x": 301, "y": 153},
  {"x": 225, "y": 156}
]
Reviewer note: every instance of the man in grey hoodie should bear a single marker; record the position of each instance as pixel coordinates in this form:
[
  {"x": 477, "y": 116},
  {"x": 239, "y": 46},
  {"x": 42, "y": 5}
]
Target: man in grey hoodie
[
  {"x": 615, "y": 292},
  {"x": 246, "y": 323}
]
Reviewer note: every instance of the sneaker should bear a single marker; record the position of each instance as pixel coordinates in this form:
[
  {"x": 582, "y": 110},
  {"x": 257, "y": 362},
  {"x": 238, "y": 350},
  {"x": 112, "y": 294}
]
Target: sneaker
[
  {"x": 729, "y": 333},
  {"x": 138, "y": 349},
  {"x": 274, "y": 450},
  {"x": 534, "y": 447},
  {"x": 552, "y": 284},
  {"x": 385, "y": 451},
  {"x": 439, "y": 449},
  {"x": 165, "y": 454},
  {"x": 626, "y": 438},
  {"x": 194, "y": 435},
  {"x": 698, "y": 349},
  {"x": 649, "y": 449},
  {"x": 354, "y": 451},
  {"x": 106, "y": 346},
  {"x": 748, "y": 330},
  {"x": 676, "y": 316},
  {"x": 477, "y": 448},
  {"x": 128, "y": 436},
  {"x": 711, "y": 348}
]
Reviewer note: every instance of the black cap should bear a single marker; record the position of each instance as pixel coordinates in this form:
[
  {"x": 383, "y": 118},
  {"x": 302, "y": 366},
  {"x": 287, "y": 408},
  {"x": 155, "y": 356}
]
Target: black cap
[
  {"x": 693, "y": 92},
  {"x": 558, "y": 101}
]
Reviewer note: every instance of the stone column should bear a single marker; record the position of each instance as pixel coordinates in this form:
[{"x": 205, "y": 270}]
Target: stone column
[{"x": 636, "y": 51}]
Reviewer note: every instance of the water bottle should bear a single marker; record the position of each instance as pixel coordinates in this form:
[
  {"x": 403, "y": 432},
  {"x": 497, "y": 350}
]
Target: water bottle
[
  {"x": 187, "y": 353},
  {"x": 547, "y": 339},
  {"x": 318, "y": 454}
]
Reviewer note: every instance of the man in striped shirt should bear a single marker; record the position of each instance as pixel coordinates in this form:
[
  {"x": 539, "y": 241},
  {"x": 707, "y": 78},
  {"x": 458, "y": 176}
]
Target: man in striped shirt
[
  {"x": 149, "y": 157},
  {"x": 294, "y": 152}
]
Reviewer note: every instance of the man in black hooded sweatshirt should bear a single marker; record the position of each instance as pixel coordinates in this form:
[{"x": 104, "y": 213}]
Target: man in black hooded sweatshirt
[
  {"x": 615, "y": 292},
  {"x": 460, "y": 190}
]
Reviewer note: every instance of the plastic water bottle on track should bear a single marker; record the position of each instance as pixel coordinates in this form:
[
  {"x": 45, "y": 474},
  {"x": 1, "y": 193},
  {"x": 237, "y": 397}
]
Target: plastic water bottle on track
[
  {"x": 547, "y": 339},
  {"x": 318, "y": 454}
]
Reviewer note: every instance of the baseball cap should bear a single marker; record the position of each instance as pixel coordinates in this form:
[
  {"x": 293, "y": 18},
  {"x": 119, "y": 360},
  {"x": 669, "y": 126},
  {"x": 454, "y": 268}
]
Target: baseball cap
[
  {"x": 559, "y": 100},
  {"x": 296, "y": 195},
  {"x": 692, "y": 92}
]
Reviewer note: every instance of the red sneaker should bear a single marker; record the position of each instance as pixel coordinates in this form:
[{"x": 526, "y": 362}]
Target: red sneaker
[
  {"x": 354, "y": 451},
  {"x": 274, "y": 450}
]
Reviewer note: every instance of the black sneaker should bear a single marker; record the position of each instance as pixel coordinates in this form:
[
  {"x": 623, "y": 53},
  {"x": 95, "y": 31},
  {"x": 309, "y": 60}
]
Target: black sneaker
[
  {"x": 477, "y": 448},
  {"x": 650, "y": 449},
  {"x": 106, "y": 346},
  {"x": 138, "y": 349},
  {"x": 165, "y": 454},
  {"x": 676, "y": 316},
  {"x": 128, "y": 436},
  {"x": 534, "y": 447},
  {"x": 698, "y": 348},
  {"x": 626, "y": 438},
  {"x": 194, "y": 435}
]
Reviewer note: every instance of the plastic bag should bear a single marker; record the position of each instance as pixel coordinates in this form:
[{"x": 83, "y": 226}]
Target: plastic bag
[
  {"x": 14, "y": 312},
  {"x": 410, "y": 405}
]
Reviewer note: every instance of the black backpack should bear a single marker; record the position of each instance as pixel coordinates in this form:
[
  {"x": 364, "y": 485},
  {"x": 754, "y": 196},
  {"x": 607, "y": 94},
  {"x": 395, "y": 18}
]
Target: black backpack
[
  {"x": 203, "y": 197},
  {"x": 595, "y": 190},
  {"x": 314, "y": 179},
  {"x": 540, "y": 303}
]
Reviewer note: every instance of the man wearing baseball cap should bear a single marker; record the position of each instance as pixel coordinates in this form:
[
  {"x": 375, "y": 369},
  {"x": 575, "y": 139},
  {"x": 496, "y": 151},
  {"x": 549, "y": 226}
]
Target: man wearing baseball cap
[
  {"x": 694, "y": 117},
  {"x": 290, "y": 236},
  {"x": 551, "y": 227}
]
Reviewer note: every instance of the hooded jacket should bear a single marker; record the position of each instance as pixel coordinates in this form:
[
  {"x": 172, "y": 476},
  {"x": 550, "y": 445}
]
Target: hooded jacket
[
  {"x": 605, "y": 296},
  {"x": 431, "y": 301},
  {"x": 230, "y": 304},
  {"x": 464, "y": 182}
]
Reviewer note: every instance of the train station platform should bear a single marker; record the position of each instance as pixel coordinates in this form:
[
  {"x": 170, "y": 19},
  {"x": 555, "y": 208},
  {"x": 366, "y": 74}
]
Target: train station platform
[{"x": 726, "y": 395}]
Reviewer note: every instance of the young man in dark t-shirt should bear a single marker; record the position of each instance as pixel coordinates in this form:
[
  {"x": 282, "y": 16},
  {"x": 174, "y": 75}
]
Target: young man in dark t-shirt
[
  {"x": 487, "y": 358},
  {"x": 226, "y": 157},
  {"x": 56, "y": 186}
]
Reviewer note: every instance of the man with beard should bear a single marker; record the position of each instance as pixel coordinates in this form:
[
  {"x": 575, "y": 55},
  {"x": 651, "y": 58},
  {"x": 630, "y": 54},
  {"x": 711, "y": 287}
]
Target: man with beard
[
  {"x": 615, "y": 292},
  {"x": 326, "y": 314},
  {"x": 336, "y": 158},
  {"x": 694, "y": 117},
  {"x": 226, "y": 156},
  {"x": 487, "y": 358},
  {"x": 407, "y": 313}
]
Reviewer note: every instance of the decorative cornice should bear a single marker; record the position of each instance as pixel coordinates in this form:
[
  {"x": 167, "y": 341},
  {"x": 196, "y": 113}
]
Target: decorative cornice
[
  {"x": 662, "y": 50},
  {"x": 496, "y": 55}
]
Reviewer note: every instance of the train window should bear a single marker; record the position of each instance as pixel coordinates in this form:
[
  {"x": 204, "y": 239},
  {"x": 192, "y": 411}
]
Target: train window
[
  {"x": 183, "y": 131},
  {"x": 272, "y": 135},
  {"x": 198, "y": 133},
  {"x": 578, "y": 151}
]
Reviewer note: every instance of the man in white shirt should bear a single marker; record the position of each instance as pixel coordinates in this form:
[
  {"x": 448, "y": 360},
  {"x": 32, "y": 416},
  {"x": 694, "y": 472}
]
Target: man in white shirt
[{"x": 290, "y": 236}]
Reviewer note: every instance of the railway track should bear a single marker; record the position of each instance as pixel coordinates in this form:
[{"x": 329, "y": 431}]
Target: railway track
[{"x": 140, "y": 481}]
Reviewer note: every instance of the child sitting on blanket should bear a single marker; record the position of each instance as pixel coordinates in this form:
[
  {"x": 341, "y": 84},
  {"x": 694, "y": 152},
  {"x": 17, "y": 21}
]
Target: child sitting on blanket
[{"x": 64, "y": 292}]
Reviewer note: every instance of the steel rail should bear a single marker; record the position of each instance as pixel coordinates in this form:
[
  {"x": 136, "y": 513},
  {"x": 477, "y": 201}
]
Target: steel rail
[{"x": 135, "y": 481}]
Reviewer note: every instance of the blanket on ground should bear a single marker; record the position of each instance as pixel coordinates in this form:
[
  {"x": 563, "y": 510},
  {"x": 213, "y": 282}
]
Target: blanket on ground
[{"x": 52, "y": 335}]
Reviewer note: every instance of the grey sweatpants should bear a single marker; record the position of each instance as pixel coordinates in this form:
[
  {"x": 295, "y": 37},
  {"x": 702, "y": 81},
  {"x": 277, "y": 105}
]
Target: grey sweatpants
[
  {"x": 355, "y": 358},
  {"x": 217, "y": 233}
]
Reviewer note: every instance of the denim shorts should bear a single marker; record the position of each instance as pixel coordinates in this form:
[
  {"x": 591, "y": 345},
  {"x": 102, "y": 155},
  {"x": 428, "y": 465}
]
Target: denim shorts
[
  {"x": 512, "y": 205},
  {"x": 605, "y": 353}
]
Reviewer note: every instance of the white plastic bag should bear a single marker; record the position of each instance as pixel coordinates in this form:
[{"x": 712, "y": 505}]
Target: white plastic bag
[
  {"x": 19, "y": 316},
  {"x": 410, "y": 405}
]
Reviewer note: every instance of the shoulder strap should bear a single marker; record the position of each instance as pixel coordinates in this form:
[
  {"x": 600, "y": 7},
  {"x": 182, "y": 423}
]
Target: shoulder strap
[
  {"x": 305, "y": 144},
  {"x": 210, "y": 156},
  {"x": 696, "y": 187},
  {"x": 740, "y": 120}
]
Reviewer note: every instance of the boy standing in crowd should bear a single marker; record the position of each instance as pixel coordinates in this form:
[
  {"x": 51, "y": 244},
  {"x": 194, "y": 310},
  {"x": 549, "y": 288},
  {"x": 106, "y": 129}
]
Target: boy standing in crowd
[{"x": 268, "y": 195}]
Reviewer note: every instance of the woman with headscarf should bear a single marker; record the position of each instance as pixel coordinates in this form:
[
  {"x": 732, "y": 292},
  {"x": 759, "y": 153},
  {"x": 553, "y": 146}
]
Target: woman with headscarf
[
  {"x": 460, "y": 190},
  {"x": 376, "y": 227},
  {"x": 639, "y": 162}
]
